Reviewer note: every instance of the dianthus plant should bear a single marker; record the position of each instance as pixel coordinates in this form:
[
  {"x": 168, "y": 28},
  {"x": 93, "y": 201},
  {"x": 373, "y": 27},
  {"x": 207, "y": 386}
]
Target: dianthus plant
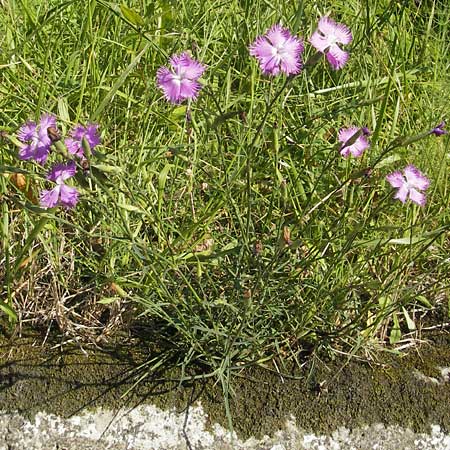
[{"x": 37, "y": 141}]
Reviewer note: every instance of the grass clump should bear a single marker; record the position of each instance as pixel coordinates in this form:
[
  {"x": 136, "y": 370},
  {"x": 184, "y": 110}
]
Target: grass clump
[{"x": 229, "y": 224}]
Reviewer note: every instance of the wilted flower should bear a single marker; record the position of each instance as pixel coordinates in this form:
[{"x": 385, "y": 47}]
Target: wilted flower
[
  {"x": 180, "y": 82},
  {"x": 409, "y": 184},
  {"x": 61, "y": 194},
  {"x": 74, "y": 143},
  {"x": 354, "y": 141},
  {"x": 439, "y": 129},
  {"x": 326, "y": 39},
  {"x": 35, "y": 139},
  {"x": 278, "y": 51}
]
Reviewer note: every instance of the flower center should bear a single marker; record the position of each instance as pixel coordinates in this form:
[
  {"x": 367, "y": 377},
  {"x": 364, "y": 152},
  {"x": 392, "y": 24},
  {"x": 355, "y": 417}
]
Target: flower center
[
  {"x": 179, "y": 73},
  {"x": 409, "y": 185},
  {"x": 35, "y": 139},
  {"x": 278, "y": 51},
  {"x": 177, "y": 78},
  {"x": 332, "y": 39}
]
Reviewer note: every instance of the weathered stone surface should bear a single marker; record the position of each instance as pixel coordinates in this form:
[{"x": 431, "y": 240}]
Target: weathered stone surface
[
  {"x": 44, "y": 394},
  {"x": 149, "y": 428}
]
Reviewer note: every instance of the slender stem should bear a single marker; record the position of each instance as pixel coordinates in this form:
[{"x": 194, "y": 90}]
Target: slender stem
[{"x": 250, "y": 151}]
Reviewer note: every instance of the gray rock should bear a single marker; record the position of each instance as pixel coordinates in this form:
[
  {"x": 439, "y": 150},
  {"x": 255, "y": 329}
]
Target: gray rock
[{"x": 147, "y": 427}]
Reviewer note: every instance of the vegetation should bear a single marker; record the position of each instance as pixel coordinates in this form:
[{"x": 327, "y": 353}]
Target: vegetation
[{"x": 230, "y": 227}]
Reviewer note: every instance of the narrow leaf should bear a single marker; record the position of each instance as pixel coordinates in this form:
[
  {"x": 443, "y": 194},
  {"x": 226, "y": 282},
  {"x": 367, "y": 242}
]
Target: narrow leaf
[
  {"x": 8, "y": 310},
  {"x": 395, "y": 334},
  {"x": 119, "y": 83},
  {"x": 409, "y": 322},
  {"x": 131, "y": 15}
]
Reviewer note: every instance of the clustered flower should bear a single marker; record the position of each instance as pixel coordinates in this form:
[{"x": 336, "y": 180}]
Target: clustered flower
[
  {"x": 326, "y": 39},
  {"x": 74, "y": 143},
  {"x": 36, "y": 144},
  {"x": 180, "y": 81},
  {"x": 61, "y": 194},
  {"x": 354, "y": 141},
  {"x": 35, "y": 139},
  {"x": 278, "y": 52},
  {"x": 409, "y": 184}
]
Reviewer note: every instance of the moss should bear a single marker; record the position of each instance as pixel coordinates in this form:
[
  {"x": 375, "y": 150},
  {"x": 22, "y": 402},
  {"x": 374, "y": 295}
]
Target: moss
[{"x": 33, "y": 378}]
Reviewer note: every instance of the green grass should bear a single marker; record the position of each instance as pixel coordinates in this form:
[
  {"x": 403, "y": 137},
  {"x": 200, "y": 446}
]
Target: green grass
[{"x": 239, "y": 236}]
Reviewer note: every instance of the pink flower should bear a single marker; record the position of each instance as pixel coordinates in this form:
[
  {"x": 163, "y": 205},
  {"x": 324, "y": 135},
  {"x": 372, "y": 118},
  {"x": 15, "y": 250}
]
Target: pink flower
[
  {"x": 74, "y": 143},
  {"x": 180, "y": 81},
  {"x": 354, "y": 141},
  {"x": 409, "y": 184},
  {"x": 326, "y": 39},
  {"x": 61, "y": 194},
  {"x": 278, "y": 51},
  {"x": 439, "y": 129},
  {"x": 35, "y": 139}
]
